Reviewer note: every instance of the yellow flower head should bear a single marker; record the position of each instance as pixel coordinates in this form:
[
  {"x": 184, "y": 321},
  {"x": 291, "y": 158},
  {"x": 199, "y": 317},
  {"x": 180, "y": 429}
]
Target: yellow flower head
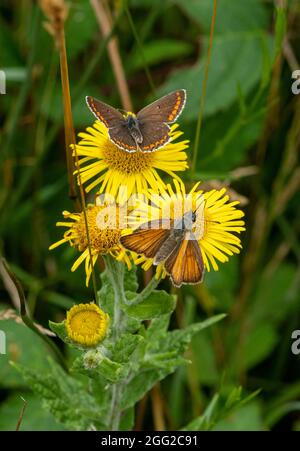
[
  {"x": 104, "y": 235},
  {"x": 103, "y": 165},
  {"x": 217, "y": 220},
  {"x": 86, "y": 324}
]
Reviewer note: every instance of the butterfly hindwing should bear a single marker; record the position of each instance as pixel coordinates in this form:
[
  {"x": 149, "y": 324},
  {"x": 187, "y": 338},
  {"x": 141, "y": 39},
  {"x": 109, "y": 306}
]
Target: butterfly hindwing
[
  {"x": 122, "y": 138},
  {"x": 174, "y": 264},
  {"x": 193, "y": 265},
  {"x": 155, "y": 135},
  {"x": 166, "y": 109},
  {"x": 105, "y": 113},
  {"x": 185, "y": 264}
]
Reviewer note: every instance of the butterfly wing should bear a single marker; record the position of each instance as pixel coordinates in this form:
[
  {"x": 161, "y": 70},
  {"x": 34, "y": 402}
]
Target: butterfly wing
[
  {"x": 175, "y": 238},
  {"x": 105, "y": 113},
  {"x": 166, "y": 109},
  {"x": 185, "y": 263},
  {"x": 146, "y": 241},
  {"x": 155, "y": 135},
  {"x": 193, "y": 270},
  {"x": 121, "y": 136}
]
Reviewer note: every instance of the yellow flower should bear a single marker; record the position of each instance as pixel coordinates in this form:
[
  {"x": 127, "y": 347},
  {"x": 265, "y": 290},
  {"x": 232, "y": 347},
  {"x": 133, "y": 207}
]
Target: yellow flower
[
  {"x": 110, "y": 167},
  {"x": 217, "y": 220},
  {"x": 104, "y": 235},
  {"x": 86, "y": 324}
]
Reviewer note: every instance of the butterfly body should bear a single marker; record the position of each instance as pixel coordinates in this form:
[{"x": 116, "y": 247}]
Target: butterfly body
[
  {"x": 132, "y": 124},
  {"x": 175, "y": 247},
  {"x": 146, "y": 131}
]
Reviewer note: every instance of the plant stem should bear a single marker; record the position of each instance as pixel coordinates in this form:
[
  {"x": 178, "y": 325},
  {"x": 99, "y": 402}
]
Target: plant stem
[
  {"x": 140, "y": 46},
  {"x": 105, "y": 25},
  {"x": 115, "y": 271},
  {"x": 146, "y": 291},
  {"x": 204, "y": 85}
]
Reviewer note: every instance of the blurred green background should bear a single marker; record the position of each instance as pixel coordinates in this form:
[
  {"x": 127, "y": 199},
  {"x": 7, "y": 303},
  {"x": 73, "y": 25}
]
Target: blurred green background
[{"x": 250, "y": 142}]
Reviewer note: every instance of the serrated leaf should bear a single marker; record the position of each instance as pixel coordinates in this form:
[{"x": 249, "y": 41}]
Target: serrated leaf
[
  {"x": 65, "y": 397},
  {"x": 122, "y": 350},
  {"x": 130, "y": 279},
  {"x": 139, "y": 385},
  {"x": 106, "y": 295},
  {"x": 60, "y": 330},
  {"x": 156, "y": 304},
  {"x": 106, "y": 368},
  {"x": 179, "y": 339}
]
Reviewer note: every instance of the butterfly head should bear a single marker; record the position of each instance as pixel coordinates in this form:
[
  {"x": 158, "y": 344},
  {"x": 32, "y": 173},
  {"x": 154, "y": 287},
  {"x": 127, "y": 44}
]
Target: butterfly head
[{"x": 128, "y": 115}]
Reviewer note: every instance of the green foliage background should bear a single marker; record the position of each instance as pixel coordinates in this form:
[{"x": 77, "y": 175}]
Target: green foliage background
[{"x": 251, "y": 119}]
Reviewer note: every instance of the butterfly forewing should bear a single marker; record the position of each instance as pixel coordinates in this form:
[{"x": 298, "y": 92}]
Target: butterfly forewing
[
  {"x": 146, "y": 242},
  {"x": 105, "y": 113},
  {"x": 166, "y": 109}
]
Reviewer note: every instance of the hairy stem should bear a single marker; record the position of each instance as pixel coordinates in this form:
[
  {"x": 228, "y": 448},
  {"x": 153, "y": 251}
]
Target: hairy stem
[{"x": 115, "y": 271}]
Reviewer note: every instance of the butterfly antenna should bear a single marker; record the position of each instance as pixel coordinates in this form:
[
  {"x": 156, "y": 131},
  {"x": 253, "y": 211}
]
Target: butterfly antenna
[{"x": 124, "y": 112}]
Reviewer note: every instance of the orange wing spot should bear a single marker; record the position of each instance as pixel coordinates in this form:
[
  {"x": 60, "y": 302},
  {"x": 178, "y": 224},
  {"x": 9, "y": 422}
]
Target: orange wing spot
[{"x": 98, "y": 114}]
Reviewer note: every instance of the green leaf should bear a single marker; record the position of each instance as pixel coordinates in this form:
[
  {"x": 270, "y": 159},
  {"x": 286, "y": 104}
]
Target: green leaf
[
  {"x": 127, "y": 420},
  {"x": 202, "y": 422},
  {"x": 159, "y": 51},
  {"x": 271, "y": 301},
  {"x": 246, "y": 418},
  {"x": 106, "y": 368},
  {"x": 9, "y": 54},
  {"x": 236, "y": 59},
  {"x": 106, "y": 295},
  {"x": 130, "y": 279},
  {"x": 280, "y": 27},
  {"x": 205, "y": 361},
  {"x": 219, "y": 409},
  {"x": 157, "y": 304},
  {"x": 80, "y": 27},
  {"x": 233, "y": 15},
  {"x": 122, "y": 350},
  {"x": 60, "y": 330},
  {"x": 179, "y": 339},
  {"x": 139, "y": 385},
  {"x": 162, "y": 351},
  {"x": 23, "y": 347},
  {"x": 259, "y": 343},
  {"x": 35, "y": 417},
  {"x": 65, "y": 397}
]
